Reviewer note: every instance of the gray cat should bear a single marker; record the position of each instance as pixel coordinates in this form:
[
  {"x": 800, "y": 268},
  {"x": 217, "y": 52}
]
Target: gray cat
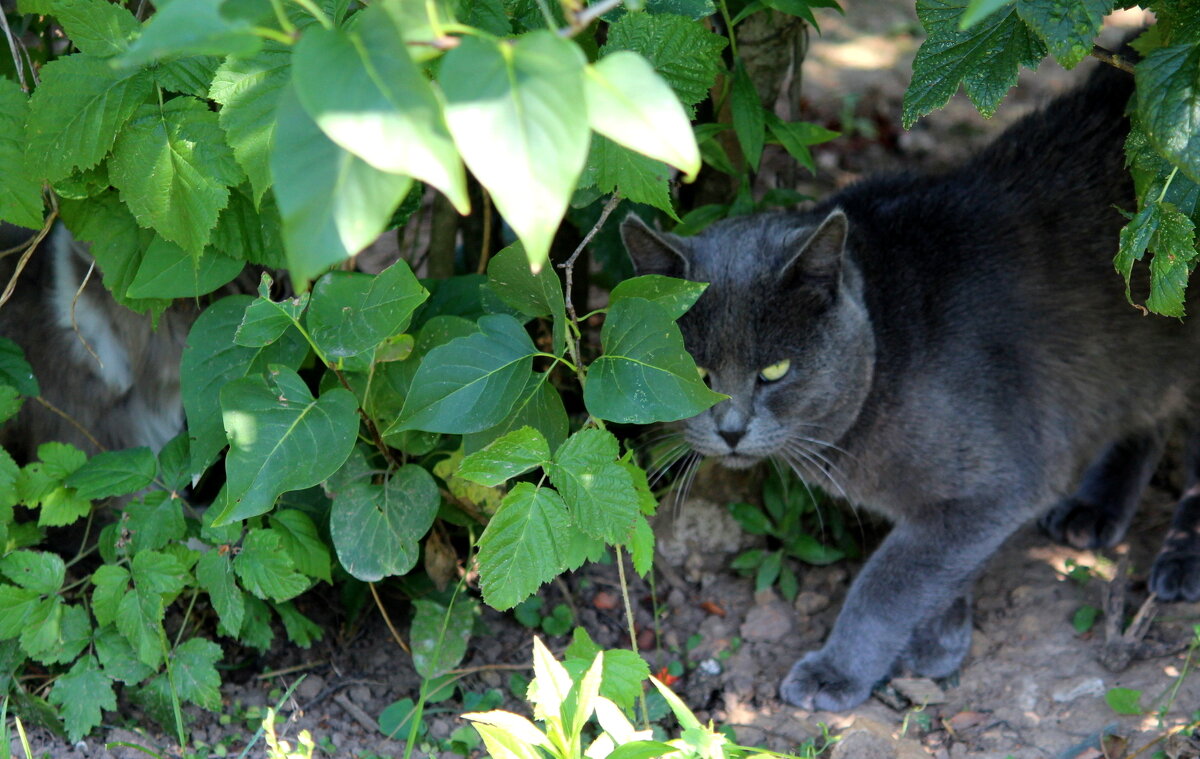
[
  {"x": 126, "y": 392},
  {"x": 954, "y": 352}
]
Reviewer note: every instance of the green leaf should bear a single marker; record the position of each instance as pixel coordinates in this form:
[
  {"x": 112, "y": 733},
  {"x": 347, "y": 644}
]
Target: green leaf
[
  {"x": 977, "y": 10},
  {"x": 645, "y": 374},
  {"x": 518, "y": 116},
  {"x": 9, "y": 472},
  {"x": 363, "y": 90},
  {"x": 984, "y": 58},
  {"x": 797, "y": 136},
  {"x": 155, "y": 520},
  {"x": 1084, "y": 617},
  {"x": 522, "y": 545},
  {"x": 1168, "y": 99},
  {"x": 16, "y": 606},
  {"x": 62, "y": 506},
  {"x": 82, "y": 693},
  {"x": 35, "y": 570},
  {"x": 266, "y": 320},
  {"x": 629, "y": 103},
  {"x": 111, "y": 583},
  {"x": 624, "y": 671},
  {"x": 61, "y": 459},
  {"x": 173, "y": 168},
  {"x": 633, "y": 175},
  {"x": 15, "y": 370},
  {"x": 157, "y": 572},
  {"x": 302, "y": 543},
  {"x": 118, "y": 658},
  {"x": 641, "y": 546},
  {"x": 10, "y": 404},
  {"x": 515, "y": 453},
  {"x": 190, "y": 27},
  {"x": 214, "y": 573},
  {"x": 266, "y": 570},
  {"x": 194, "y": 673},
  {"x": 333, "y": 203},
  {"x": 532, "y": 294},
  {"x": 211, "y": 360},
  {"x": 1124, "y": 700},
  {"x": 352, "y": 312},
  {"x": 114, "y": 473},
  {"x": 1068, "y": 27},
  {"x": 168, "y": 271},
  {"x": 676, "y": 296},
  {"x": 300, "y": 630},
  {"x": 77, "y": 111},
  {"x": 749, "y": 123},
  {"x": 539, "y": 406},
  {"x": 377, "y": 529},
  {"x": 472, "y": 382},
  {"x": 249, "y": 89},
  {"x": 280, "y": 439},
  {"x": 139, "y": 620},
  {"x": 681, "y": 50},
  {"x": 20, "y": 190},
  {"x": 1160, "y": 227},
  {"x": 439, "y": 635},
  {"x": 191, "y": 76},
  {"x": 248, "y": 234},
  {"x": 173, "y": 462},
  {"x": 595, "y": 487},
  {"x": 97, "y": 27}
]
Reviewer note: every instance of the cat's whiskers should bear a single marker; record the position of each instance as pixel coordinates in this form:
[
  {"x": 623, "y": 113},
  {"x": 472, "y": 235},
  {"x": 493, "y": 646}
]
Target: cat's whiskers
[
  {"x": 663, "y": 463},
  {"x": 791, "y": 451},
  {"x": 804, "y": 482},
  {"x": 691, "y": 466}
]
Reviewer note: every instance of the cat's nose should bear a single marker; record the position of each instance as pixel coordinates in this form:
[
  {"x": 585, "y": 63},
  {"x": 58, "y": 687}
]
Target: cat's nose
[{"x": 732, "y": 436}]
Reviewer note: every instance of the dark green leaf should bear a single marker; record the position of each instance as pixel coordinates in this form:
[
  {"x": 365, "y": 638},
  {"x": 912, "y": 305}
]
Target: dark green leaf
[
  {"x": 377, "y": 529},
  {"x": 266, "y": 320},
  {"x": 191, "y": 27},
  {"x": 1068, "y": 27},
  {"x": 633, "y": 175},
  {"x": 539, "y": 406},
  {"x": 471, "y": 383},
  {"x": 439, "y": 635},
  {"x": 214, "y": 574},
  {"x": 645, "y": 374},
  {"x": 676, "y": 296},
  {"x": 984, "y": 58},
  {"x": 82, "y": 693},
  {"x": 748, "y": 120},
  {"x": 114, "y": 473},
  {"x": 194, "y": 674},
  {"x": 1168, "y": 98},
  {"x": 351, "y": 312},
  {"x": 302, "y": 543},
  {"x": 191, "y": 76},
  {"x": 97, "y": 27},
  {"x": 155, "y": 520},
  {"x": 281, "y": 438},
  {"x": 15, "y": 370},
  {"x": 597, "y": 489}
]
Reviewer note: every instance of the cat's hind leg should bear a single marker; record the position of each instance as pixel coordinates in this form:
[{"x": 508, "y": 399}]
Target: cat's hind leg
[
  {"x": 938, "y": 646},
  {"x": 1175, "y": 575},
  {"x": 1099, "y": 512}
]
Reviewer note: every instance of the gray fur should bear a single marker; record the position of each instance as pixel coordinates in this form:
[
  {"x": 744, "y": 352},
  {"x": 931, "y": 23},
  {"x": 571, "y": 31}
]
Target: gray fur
[{"x": 960, "y": 350}]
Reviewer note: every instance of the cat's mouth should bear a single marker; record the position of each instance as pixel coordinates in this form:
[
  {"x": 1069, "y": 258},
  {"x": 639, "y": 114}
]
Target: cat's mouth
[{"x": 738, "y": 461}]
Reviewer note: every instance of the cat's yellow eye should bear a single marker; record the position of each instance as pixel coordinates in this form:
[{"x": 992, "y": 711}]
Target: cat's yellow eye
[
  {"x": 775, "y": 371},
  {"x": 703, "y": 373}
]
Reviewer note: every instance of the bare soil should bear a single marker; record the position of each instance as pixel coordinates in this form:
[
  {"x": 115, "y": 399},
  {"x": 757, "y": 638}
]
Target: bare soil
[{"x": 1031, "y": 688}]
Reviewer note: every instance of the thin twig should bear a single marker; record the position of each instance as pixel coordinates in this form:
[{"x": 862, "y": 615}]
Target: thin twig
[
  {"x": 29, "y": 248},
  {"x": 75, "y": 324},
  {"x": 485, "y": 248},
  {"x": 388, "y": 620},
  {"x": 376, "y": 437},
  {"x": 289, "y": 670},
  {"x": 569, "y": 265},
  {"x": 12, "y": 48},
  {"x": 488, "y": 668},
  {"x": 1112, "y": 59},
  {"x": 588, "y": 15},
  {"x": 71, "y": 420},
  {"x": 356, "y": 711}
]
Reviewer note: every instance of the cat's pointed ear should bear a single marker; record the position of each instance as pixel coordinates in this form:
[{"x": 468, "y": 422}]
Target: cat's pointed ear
[
  {"x": 819, "y": 257},
  {"x": 653, "y": 252}
]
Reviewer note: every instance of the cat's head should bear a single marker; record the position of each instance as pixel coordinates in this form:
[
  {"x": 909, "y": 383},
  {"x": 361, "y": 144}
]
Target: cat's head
[{"x": 781, "y": 330}]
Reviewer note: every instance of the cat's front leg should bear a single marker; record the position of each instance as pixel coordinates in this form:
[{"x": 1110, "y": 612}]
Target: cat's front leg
[{"x": 918, "y": 573}]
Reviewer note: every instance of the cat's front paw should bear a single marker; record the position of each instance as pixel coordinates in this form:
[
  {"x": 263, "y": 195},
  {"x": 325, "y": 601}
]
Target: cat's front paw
[
  {"x": 815, "y": 683},
  {"x": 1081, "y": 525},
  {"x": 1175, "y": 576}
]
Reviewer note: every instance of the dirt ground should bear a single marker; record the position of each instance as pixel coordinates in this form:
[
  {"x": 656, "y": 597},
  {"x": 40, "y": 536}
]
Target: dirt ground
[{"x": 1031, "y": 688}]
